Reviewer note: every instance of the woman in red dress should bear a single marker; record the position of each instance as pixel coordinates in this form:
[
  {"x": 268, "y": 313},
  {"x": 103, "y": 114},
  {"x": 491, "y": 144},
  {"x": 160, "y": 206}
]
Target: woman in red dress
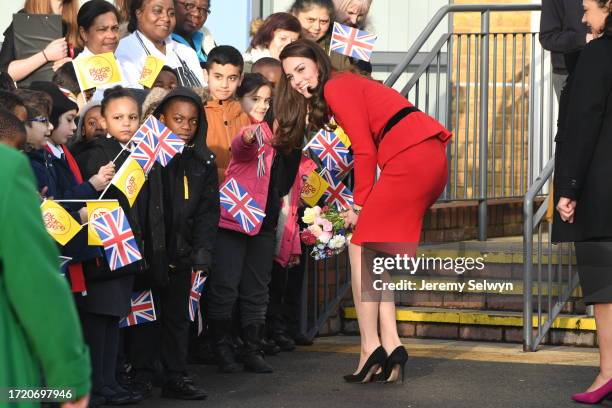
[{"x": 385, "y": 131}]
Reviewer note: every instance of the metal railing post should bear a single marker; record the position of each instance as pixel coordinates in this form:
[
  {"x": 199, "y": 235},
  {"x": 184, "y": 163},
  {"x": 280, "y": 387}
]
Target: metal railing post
[
  {"x": 527, "y": 272},
  {"x": 484, "y": 125}
]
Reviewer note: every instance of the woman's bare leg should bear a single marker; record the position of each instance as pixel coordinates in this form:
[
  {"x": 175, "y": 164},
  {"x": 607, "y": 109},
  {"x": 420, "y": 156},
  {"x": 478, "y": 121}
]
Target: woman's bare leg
[
  {"x": 367, "y": 311},
  {"x": 603, "y": 319}
]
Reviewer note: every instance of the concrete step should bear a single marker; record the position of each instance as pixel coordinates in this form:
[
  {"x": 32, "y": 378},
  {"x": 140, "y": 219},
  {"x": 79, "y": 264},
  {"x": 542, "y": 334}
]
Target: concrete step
[{"x": 471, "y": 324}]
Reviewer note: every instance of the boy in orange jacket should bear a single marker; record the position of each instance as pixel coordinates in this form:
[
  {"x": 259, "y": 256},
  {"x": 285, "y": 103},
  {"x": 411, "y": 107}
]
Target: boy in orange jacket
[{"x": 223, "y": 112}]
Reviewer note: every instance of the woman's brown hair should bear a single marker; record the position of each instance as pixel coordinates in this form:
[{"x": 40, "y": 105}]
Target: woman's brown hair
[
  {"x": 291, "y": 108},
  {"x": 277, "y": 21},
  {"x": 70, "y": 9}
]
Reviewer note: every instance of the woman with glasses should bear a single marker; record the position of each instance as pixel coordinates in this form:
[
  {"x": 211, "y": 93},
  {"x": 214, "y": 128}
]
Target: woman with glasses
[
  {"x": 151, "y": 25},
  {"x": 190, "y": 31}
]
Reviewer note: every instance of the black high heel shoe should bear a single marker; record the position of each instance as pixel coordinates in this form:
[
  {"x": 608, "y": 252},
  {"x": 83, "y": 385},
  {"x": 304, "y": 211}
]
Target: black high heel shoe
[
  {"x": 373, "y": 363},
  {"x": 394, "y": 365}
]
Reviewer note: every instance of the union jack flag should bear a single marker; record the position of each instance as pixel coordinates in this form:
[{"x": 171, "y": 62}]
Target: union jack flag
[
  {"x": 239, "y": 203},
  {"x": 117, "y": 238},
  {"x": 352, "y": 42},
  {"x": 334, "y": 155},
  {"x": 337, "y": 193},
  {"x": 197, "y": 284},
  {"x": 169, "y": 144},
  {"x": 261, "y": 154},
  {"x": 143, "y": 309},
  {"x": 145, "y": 151}
]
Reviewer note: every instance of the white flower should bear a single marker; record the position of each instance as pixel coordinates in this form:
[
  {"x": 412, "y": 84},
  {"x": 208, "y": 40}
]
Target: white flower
[
  {"x": 337, "y": 242},
  {"x": 324, "y": 238}
]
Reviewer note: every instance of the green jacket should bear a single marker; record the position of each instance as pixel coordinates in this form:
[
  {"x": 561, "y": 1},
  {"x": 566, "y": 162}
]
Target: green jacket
[{"x": 40, "y": 334}]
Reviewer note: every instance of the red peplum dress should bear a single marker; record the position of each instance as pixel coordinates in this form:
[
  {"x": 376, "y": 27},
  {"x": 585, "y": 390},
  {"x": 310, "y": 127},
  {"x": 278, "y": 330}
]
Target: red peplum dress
[{"x": 411, "y": 156}]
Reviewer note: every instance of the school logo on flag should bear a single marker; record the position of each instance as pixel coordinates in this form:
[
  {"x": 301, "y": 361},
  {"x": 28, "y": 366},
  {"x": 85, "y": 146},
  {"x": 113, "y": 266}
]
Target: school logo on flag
[
  {"x": 352, "y": 42},
  {"x": 314, "y": 187},
  {"x": 59, "y": 223},
  {"x": 118, "y": 239},
  {"x": 337, "y": 193},
  {"x": 143, "y": 309},
  {"x": 197, "y": 284},
  {"x": 239, "y": 203},
  {"x": 96, "y": 209},
  {"x": 334, "y": 155},
  {"x": 97, "y": 70},
  {"x": 151, "y": 69},
  {"x": 129, "y": 179}
]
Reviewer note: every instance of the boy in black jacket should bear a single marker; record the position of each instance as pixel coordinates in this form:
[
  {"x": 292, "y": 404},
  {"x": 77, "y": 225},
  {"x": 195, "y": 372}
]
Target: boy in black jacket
[{"x": 191, "y": 213}]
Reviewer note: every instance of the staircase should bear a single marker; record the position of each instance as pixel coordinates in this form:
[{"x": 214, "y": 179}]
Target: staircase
[{"x": 482, "y": 313}]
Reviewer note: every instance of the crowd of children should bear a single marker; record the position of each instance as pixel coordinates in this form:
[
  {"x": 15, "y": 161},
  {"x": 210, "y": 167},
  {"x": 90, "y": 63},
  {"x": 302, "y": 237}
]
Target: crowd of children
[{"x": 77, "y": 140}]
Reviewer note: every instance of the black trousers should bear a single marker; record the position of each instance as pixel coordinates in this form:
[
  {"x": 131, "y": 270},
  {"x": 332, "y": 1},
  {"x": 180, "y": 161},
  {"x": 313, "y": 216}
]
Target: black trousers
[
  {"x": 275, "y": 321},
  {"x": 166, "y": 339},
  {"x": 241, "y": 272},
  {"x": 292, "y": 300},
  {"x": 101, "y": 333}
]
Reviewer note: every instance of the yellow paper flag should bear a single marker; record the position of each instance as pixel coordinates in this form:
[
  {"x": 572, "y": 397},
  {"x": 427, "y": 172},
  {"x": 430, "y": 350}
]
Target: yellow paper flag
[
  {"x": 151, "y": 69},
  {"x": 313, "y": 188},
  {"x": 96, "y": 209},
  {"x": 58, "y": 222},
  {"x": 343, "y": 136},
  {"x": 97, "y": 70},
  {"x": 129, "y": 179}
]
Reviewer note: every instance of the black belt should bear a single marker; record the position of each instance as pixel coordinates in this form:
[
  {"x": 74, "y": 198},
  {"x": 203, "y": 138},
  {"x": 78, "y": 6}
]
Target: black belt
[{"x": 396, "y": 118}]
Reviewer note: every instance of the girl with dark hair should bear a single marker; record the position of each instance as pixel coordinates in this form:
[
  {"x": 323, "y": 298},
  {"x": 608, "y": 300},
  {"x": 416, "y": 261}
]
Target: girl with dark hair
[
  {"x": 582, "y": 173},
  {"x": 242, "y": 259},
  {"x": 276, "y": 31},
  {"x": 109, "y": 292},
  {"x": 151, "y": 25},
  {"x": 385, "y": 130}
]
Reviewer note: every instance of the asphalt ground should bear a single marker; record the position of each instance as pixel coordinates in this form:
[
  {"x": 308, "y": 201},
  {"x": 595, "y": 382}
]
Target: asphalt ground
[{"x": 438, "y": 374}]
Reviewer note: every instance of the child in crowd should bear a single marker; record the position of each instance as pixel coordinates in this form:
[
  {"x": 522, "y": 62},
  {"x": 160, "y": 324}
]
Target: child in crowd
[
  {"x": 223, "y": 113},
  {"x": 270, "y": 68},
  {"x": 38, "y": 105},
  {"x": 12, "y": 130},
  {"x": 89, "y": 128},
  {"x": 191, "y": 210},
  {"x": 109, "y": 292},
  {"x": 11, "y": 102},
  {"x": 243, "y": 259},
  {"x": 166, "y": 79}
]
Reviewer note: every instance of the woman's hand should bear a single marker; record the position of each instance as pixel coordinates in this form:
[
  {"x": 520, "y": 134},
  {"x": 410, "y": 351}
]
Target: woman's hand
[
  {"x": 56, "y": 50},
  {"x": 104, "y": 176},
  {"x": 58, "y": 64},
  {"x": 566, "y": 207},
  {"x": 350, "y": 218}
]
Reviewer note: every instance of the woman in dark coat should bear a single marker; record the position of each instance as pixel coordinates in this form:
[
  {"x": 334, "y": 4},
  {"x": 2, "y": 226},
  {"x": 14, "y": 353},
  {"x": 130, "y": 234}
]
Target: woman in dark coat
[{"x": 583, "y": 171}]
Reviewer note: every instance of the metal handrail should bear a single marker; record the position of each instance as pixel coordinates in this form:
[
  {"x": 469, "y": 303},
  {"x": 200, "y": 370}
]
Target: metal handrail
[
  {"x": 435, "y": 21},
  {"x": 529, "y": 224}
]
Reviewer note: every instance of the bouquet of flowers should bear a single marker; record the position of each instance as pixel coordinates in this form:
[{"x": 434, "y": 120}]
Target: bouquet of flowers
[{"x": 325, "y": 232}]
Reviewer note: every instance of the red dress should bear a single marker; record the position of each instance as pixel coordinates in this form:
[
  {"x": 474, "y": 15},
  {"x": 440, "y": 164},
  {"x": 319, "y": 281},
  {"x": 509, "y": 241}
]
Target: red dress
[{"x": 411, "y": 157}]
